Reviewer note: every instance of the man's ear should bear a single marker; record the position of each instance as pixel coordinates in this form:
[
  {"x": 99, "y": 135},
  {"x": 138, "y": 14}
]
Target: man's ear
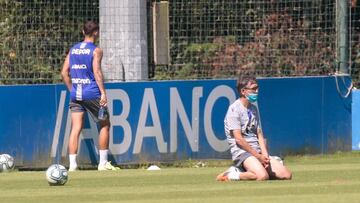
[
  {"x": 96, "y": 33},
  {"x": 242, "y": 91}
]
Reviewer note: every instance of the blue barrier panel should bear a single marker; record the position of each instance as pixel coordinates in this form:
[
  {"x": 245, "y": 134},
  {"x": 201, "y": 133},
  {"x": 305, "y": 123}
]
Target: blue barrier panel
[
  {"x": 167, "y": 121},
  {"x": 162, "y": 121},
  {"x": 356, "y": 120},
  {"x": 27, "y": 118},
  {"x": 306, "y": 115},
  {"x": 336, "y": 121},
  {"x": 294, "y": 124}
]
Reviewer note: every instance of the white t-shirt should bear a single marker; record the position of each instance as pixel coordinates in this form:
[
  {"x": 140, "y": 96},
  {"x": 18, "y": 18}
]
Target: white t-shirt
[{"x": 238, "y": 117}]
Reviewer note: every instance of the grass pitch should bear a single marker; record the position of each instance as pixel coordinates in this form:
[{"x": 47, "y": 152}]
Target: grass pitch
[{"x": 330, "y": 178}]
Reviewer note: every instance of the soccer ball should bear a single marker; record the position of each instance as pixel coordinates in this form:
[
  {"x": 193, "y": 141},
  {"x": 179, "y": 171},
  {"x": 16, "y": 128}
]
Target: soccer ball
[
  {"x": 6, "y": 163},
  {"x": 56, "y": 174}
]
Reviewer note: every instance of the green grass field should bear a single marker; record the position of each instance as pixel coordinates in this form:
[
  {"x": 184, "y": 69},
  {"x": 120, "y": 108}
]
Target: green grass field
[{"x": 330, "y": 178}]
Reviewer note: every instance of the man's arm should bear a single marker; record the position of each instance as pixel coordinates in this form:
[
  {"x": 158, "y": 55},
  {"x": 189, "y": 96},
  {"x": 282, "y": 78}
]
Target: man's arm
[
  {"x": 263, "y": 147},
  {"x": 262, "y": 143},
  {"x": 98, "y": 54},
  {"x": 65, "y": 73},
  {"x": 245, "y": 146}
]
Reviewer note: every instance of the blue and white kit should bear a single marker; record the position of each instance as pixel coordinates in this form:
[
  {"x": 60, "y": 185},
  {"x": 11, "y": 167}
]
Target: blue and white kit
[{"x": 84, "y": 86}]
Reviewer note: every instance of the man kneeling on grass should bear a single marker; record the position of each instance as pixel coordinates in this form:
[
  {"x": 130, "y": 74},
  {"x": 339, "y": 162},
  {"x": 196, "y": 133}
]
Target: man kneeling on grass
[{"x": 246, "y": 140}]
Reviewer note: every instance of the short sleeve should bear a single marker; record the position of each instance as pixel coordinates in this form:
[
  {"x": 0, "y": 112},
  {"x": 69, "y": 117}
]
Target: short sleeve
[{"x": 233, "y": 119}]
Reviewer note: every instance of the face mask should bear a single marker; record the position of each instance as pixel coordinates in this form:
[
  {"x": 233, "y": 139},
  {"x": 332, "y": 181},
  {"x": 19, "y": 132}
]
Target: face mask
[{"x": 252, "y": 97}]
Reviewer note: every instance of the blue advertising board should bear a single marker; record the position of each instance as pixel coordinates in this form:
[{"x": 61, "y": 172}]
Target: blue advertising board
[
  {"x": 172, "y": 120},
  {"x": 162, "y": 121},
  {"x": 356, "y": 120},
  {"x": 306, "y": 115}
]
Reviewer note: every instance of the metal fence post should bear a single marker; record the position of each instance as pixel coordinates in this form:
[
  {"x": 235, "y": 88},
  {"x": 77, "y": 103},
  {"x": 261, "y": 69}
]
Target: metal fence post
[{"x": 342, "y": 14}]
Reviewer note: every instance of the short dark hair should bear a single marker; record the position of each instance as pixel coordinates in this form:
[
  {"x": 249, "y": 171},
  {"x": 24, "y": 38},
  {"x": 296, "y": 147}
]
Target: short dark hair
[
  {"x": 90, "y": 27},
  {"x": 243, "y": 81}
]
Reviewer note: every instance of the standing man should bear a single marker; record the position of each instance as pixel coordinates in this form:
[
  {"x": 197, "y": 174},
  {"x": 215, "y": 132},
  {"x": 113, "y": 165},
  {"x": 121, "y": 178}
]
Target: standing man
[
  {"x": 247, "y": 143},
  {"x": 83, "y": 77}
]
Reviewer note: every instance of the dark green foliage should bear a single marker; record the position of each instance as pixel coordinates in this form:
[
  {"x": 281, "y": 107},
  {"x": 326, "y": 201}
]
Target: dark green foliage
[
  {"x": 35, "y": 36},
  {"x": 218, "y": 39},
  {"x": 208, "y": 38}
]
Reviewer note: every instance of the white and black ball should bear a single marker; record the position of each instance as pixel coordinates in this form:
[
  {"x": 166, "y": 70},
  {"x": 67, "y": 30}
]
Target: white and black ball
[
  {"x": 56, "y": 174},
  {"x": 6, "y": 163}
]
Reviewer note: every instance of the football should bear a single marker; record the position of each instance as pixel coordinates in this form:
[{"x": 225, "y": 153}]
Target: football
[
  {"x": 56, "y": 174},
  {"x": 6, "y": 163}
]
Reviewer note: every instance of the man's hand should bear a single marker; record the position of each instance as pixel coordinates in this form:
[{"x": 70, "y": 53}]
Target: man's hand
[
  {"x": 103, "y": 100},
  {"x": 264, "y": 160}
]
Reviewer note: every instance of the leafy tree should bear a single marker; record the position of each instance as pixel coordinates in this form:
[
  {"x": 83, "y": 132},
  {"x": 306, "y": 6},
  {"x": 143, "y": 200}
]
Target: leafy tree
[
  {"x": 217, "y": 39},
  {"x": 35, "y": 35}
]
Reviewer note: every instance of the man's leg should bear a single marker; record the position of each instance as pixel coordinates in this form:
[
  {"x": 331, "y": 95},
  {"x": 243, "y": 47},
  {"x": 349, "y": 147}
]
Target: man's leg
[
  {"x": 253, "y": 165},
  {"x": 93, "y": 106},
  {"x": 104, "y": 164},
  {"x": 247, "y": 175},
  {"x": 224, "y": 176},
  {"x": 277, "y": 170},
  {"x": 76, "y": 126},
  {"x": 104, "y": 141},
  {"x": 104, "y": 135},
  {"x": 238, "y": 171}
]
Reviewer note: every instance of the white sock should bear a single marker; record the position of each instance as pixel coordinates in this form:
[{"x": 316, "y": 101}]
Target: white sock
[
  {"x": 72, "y": 160},
  {"x": 103, "y": 157}
]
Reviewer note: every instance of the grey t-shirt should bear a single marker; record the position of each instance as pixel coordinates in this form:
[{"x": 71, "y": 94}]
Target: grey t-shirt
[{"x": 238, "y": 117}]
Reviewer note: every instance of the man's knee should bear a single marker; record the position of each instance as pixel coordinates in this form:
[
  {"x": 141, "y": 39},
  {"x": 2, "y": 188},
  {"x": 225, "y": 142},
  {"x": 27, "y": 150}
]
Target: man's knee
[{"x": 286, "y": 175}]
